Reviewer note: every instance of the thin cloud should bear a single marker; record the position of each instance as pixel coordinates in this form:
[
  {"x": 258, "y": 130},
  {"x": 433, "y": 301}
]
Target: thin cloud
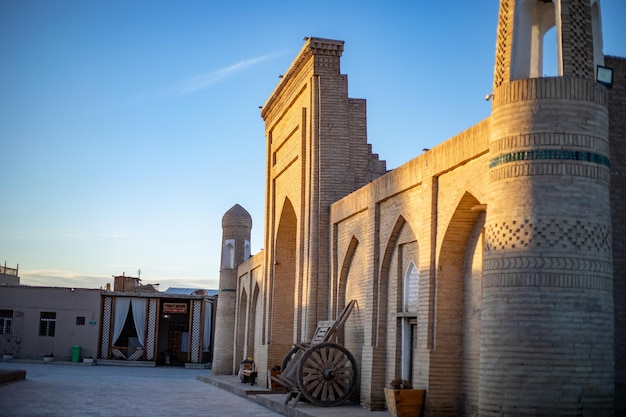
[
  {"x": 170, "y": 268},
  {"x": 201, "y": 81},
  {"x": 75, "y": 235},
  {"x": 71, "y": 279},
  {"x": 61, "y": 278},
  {"x": 122, "y": 266},
  {"x": 108, "y": 235},
  {"x": 114, "y": 235}
]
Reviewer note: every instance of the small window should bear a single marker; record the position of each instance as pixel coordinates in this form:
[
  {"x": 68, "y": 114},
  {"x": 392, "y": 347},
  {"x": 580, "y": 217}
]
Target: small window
[
  {"x": 47, "y": 323},
  {"x": 80, "y": 321},
  {"x": 6, "y": 321},
  {"x": 228, "y": 262}
]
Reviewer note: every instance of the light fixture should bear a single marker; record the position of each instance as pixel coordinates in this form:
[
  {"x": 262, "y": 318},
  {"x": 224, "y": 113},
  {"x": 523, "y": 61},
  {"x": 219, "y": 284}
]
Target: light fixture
[{"x": 604, "y": 75}]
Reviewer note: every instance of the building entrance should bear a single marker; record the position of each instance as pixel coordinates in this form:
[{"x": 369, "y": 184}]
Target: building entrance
[{"x": 178, "y": 343}]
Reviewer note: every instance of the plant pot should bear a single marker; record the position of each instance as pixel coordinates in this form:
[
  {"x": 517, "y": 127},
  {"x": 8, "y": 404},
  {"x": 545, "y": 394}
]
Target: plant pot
[
  {"x": 48, "y": 359},
  {"x": 404, "y": 402},
  {"x": 7, "y": 357}
]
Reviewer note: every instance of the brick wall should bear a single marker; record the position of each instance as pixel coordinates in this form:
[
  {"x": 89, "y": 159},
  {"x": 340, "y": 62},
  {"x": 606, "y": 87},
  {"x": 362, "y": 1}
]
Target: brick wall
[
  {"x": 617, "y": 139},
  {"x": 404, "y": 216}
]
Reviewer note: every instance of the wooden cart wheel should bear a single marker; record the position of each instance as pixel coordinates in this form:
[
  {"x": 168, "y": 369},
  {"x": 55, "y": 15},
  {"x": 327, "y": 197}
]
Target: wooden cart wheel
[
  {"x": 327, "y": 374},
  {"x": 289, "y": 356}
]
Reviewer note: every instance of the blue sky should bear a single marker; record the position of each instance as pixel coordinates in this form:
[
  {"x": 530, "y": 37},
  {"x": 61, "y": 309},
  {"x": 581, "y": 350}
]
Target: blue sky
[{"x": 128, "y": 128}]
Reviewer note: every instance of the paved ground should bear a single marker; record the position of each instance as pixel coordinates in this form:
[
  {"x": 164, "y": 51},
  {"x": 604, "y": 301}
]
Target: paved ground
[
  {"x": 109, "y": 391},
  {"x": 69, "y": 390}
]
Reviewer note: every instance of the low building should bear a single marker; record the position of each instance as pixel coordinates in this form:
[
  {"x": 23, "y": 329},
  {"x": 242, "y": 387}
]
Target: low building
[
  {"x": 131, "y": 322},
  {"x": 39, "y": 321},
  {"x": 174, "y": 327}
]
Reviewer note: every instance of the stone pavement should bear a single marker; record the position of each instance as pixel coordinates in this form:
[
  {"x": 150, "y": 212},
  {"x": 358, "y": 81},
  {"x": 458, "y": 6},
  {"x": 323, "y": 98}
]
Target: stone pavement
[
  {"x": 54, "y": 390},
  {"x": 66, "y": 389}
]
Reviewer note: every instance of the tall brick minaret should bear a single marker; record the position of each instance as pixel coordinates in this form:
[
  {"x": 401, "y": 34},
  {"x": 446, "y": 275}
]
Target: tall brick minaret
[
  {"x": 547, "y": 318},
  {"x": 236, "y": 227}
]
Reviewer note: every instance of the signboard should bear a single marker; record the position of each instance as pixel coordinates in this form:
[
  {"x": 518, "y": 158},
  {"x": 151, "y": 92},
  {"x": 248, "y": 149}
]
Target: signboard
[{"x": 175, "y": 308}]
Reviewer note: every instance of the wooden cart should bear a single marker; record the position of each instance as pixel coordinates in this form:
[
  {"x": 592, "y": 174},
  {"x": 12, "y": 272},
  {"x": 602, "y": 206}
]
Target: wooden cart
[{"x": 325, "y": 373}]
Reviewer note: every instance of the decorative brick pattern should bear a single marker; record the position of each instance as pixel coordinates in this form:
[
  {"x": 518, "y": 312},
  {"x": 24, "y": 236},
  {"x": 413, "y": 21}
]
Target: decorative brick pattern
[
  {"x": 551, "y": 139},
  {"x": 503, "y": 41},
  {"x": 196, "y": 329},
  {"x": 540, "y": 264},
  {"x": 152, "y": 328},
  {"x": 559, "y": 169},
  {"x": 578, "y": 44},
  {"x": 106, "y": 327},
  {"x": 549, "y": 234},
  {"x": 547, "y": 279},
  {"x": 226, "y": 311},
  {"x": 559, "y": 88}
]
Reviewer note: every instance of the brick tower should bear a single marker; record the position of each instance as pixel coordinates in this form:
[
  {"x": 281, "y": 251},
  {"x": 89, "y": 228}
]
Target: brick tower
[
  {"x": 236, "y": 227},
  {"x": 547, "y": 317}
]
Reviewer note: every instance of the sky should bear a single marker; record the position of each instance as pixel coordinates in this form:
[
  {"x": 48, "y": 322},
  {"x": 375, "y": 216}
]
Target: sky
[{"x": 128, "y": 128}]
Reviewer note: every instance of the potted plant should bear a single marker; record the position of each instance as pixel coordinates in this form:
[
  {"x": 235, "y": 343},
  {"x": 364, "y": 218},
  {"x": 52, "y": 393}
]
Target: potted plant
[
  {"x": 402, "y": 400},
  {"x": 49, "y": 357},
  {"x": 10, "y": 346}
]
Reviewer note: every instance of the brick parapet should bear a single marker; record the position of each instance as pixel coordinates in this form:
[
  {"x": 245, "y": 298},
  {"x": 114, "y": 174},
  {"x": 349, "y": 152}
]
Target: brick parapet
[
  {"x": 568, "y": 88},
  {"x": 325, "y": 48}
]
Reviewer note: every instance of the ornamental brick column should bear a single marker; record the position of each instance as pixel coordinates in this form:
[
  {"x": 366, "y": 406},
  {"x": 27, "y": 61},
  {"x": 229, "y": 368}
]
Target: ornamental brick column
[
  {"x": 547, "y": 331},
  {"x": 547, "y": 320},
  {"x": 236, "y": 227}
]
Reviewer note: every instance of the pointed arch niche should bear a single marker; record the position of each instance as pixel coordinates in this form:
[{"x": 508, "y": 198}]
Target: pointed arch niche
[
  {"x": 457, "y": 308},
  {"x": 253, "y": 315},
  {"x": 283, "y": 286},
  {"x": 399, "y": 300},
  {"x": 350, "y": 287},
  {"x": 241, "y": 327}
]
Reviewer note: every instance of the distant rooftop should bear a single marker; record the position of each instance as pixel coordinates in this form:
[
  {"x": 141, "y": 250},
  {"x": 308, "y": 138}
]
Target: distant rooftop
[
  {"x": 8, "y": 271},
  {"x": 192, "y": 291}
]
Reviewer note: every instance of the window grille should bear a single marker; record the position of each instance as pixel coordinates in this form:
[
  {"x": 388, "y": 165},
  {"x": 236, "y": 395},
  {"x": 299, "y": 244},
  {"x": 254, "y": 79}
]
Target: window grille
[
  {"x": 6, "y": 321},
  {"x": 47, "y": 323}
]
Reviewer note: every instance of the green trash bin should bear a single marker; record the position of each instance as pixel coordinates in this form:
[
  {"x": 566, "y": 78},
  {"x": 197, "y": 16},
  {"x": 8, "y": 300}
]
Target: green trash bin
[{"x": 75, "y": 353}]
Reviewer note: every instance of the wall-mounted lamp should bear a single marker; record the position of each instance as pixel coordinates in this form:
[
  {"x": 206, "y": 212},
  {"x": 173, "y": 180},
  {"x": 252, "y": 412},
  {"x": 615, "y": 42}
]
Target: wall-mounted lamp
[{"x": 604, "y": 75}]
